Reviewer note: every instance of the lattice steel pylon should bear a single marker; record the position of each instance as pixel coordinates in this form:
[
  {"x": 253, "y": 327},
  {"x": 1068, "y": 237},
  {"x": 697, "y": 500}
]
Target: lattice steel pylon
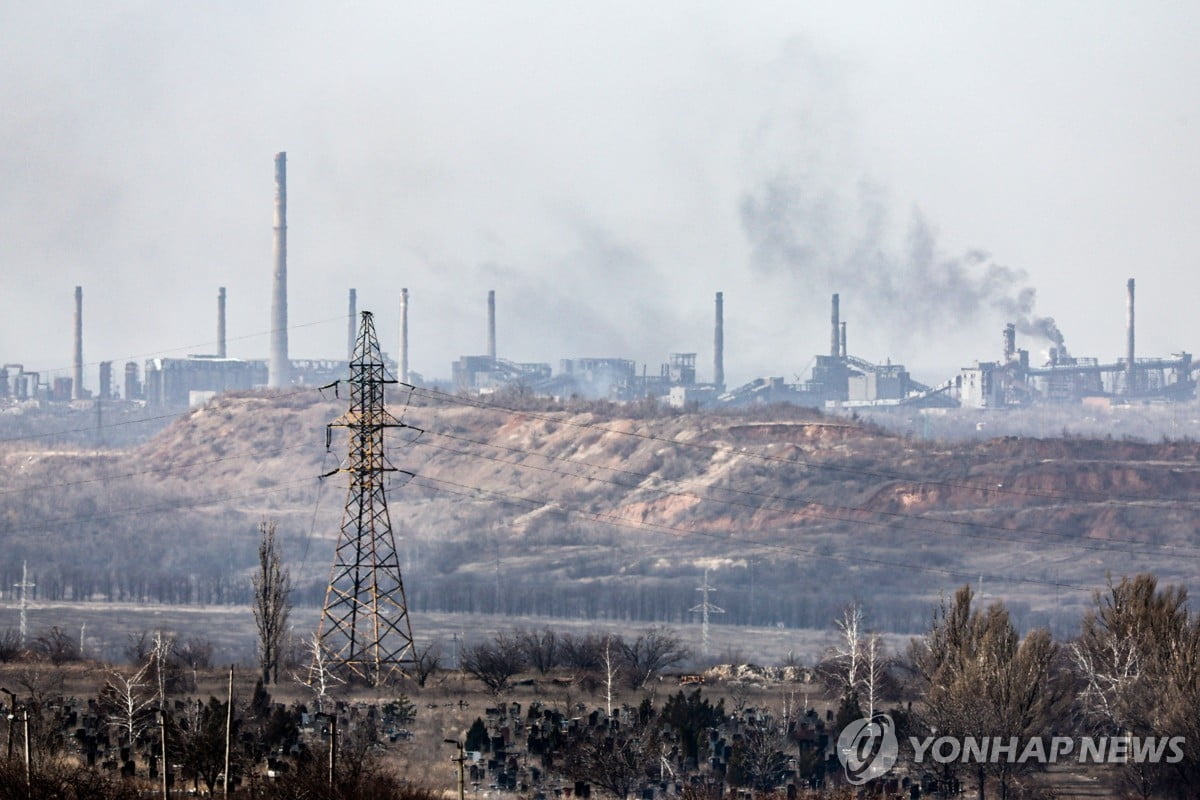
[{"x": 364, "y": 629}]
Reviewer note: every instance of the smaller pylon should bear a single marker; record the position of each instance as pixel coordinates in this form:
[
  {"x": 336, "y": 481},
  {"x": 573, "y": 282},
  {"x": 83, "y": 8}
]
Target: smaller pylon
[
  {"x": 705, "y": 608},
  {"x": 24, "y": 586}
]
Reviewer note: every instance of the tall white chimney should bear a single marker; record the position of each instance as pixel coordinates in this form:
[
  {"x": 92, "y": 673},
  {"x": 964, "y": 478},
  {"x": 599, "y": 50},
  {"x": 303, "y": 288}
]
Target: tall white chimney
[
  {"x": 404, "y": 336},
  {"x": 352, "y": 331},
  {"x": 278, "y": 367},
  {"x": 492, "y": 326},
  {"x": 221, "y": 352},
  {"x": 77, "y": 382}
]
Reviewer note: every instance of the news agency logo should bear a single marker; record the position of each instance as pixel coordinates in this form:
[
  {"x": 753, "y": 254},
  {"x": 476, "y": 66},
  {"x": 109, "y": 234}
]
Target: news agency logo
[{"x": 868, "y": 748}]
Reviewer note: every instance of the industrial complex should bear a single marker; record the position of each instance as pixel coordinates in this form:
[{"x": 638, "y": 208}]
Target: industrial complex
[{"x": 837, "y": 379}]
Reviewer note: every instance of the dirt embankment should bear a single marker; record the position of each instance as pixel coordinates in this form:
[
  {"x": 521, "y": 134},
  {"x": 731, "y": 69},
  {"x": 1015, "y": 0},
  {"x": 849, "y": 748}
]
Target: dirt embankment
[{"x": 538, "y": 502}]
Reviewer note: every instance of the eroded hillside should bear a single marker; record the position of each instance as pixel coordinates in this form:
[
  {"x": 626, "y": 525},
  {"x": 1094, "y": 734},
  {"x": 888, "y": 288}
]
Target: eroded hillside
[{"x": 603, "y": 511}]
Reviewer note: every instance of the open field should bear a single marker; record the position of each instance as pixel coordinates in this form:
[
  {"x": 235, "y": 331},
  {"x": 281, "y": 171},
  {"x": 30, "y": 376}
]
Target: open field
[{"x": 106, "y": 628}]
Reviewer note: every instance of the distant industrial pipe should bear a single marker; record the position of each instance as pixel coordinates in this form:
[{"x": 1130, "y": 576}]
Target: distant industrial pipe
[
  {"x": 1130, "y": 372},
  {"x": 77, "y": 383},
  {"x": 1010, "y": 342},
  {"x": 835, "y": 341},
  {"x": 492, "y": 326},
  {"x": 844, "y": 353},
  {"x": 404, "y": 335},
  {"x": 719, "y": 343},
  {"x": 278, "y": 366},
  {"x": 352, "y": 333},
  {"x": 221, "y": 351}
]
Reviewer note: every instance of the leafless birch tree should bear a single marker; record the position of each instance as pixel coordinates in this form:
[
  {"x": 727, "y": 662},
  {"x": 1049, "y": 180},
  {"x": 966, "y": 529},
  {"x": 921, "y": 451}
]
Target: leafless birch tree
[{"x": 129, "y": 702}]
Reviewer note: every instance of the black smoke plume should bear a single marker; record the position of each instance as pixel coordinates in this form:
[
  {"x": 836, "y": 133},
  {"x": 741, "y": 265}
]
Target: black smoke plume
[{"x": 812, "y": 236}]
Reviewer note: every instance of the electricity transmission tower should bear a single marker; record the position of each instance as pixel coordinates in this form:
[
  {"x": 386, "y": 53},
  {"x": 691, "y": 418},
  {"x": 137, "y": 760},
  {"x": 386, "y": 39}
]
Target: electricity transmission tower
[
  {"x": 24, "y": 586},
  {"x": 364, "y": 626},
  {"x": 705, "y": 608}
]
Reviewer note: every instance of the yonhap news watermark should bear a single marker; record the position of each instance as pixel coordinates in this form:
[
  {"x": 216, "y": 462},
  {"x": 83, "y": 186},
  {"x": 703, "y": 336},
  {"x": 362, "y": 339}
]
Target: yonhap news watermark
[{"x": 868, "y": 748}]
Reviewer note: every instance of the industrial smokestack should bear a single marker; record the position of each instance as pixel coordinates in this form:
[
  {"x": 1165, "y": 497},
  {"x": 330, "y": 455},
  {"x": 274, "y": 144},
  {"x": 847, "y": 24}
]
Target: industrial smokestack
[
  {"x": 221, "y": 352},
  {"x": 404, "y": 336},
  {"x": 77, "y": 384},
  {"x": 352, "y": 333},
  {"x": 719, "y": 343},
  {"x": 844, "y": 353},
  {"x": 1130, "y": 373},
  {"x": 1010, "y": 342},
  {"x": 835, "y": 342},
  {"x": 492, "y": 325},
  {"x": 278, "y": 367}
]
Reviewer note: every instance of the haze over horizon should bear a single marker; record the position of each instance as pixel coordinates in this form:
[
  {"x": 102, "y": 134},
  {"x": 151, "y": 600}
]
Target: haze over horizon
[{"x": 605, "y": 170}]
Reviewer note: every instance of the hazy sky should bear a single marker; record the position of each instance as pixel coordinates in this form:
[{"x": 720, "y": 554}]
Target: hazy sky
[{"x": 605, "y": 167}]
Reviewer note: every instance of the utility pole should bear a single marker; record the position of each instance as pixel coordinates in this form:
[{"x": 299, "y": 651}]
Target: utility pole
[
  {"x": 162, "y": 731},
  {"x": 23, "y": 586},
  {"x": 12, "y": 717},
  {"x": 705, "y": 608},
  {"x": 460, "y": 759},
  {"x": 333, "y": 737},
  {"x": 228, "y": 730},
  {"x": 28, "y": 760},
  {"x": 364, "y": 622}
]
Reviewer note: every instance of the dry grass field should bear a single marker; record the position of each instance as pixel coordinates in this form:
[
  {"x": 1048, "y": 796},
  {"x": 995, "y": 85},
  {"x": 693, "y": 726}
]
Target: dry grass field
[{"x": 106, "y": 629}]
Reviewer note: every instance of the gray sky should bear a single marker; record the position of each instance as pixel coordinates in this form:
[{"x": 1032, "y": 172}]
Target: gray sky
[{"x": 605, "y": 167}]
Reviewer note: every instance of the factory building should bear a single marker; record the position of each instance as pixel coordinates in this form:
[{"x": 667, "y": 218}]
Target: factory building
[
  {"x": 186, "y": 381},
  {"x": 1066, "y": 379},
  {"x": 599, "y": 378}
]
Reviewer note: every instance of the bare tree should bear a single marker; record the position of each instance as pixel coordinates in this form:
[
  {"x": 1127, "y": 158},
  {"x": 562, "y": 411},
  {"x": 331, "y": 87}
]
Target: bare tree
[
  {"x": 195, "y": 654},
  {"x": 428, "y": 661},
  {"x": 272, "y": 601},
  {"x": 56, "y": 646},
  {"x": 584, "y": 653},
  {"x": 161, "y": 648},
  {"x": 610, "y": 673},
  {"x": 541, "y": 649},
  {"x": 615, "y": 760},
  {"x": 137, "y": 647},
  {"x": 129, "y": 703},
  {"x": 848, "y": 653},
  {"x": 760, "y": 758},
  {"x": 494, "y": 662},
  {"x": 10, "y": 645},
  {"x": 652, "y": 651},
  {"x": 1138, "y": 659},
  {"x": 41, "y": 687},
  {"x": 320, "y": 678}
]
